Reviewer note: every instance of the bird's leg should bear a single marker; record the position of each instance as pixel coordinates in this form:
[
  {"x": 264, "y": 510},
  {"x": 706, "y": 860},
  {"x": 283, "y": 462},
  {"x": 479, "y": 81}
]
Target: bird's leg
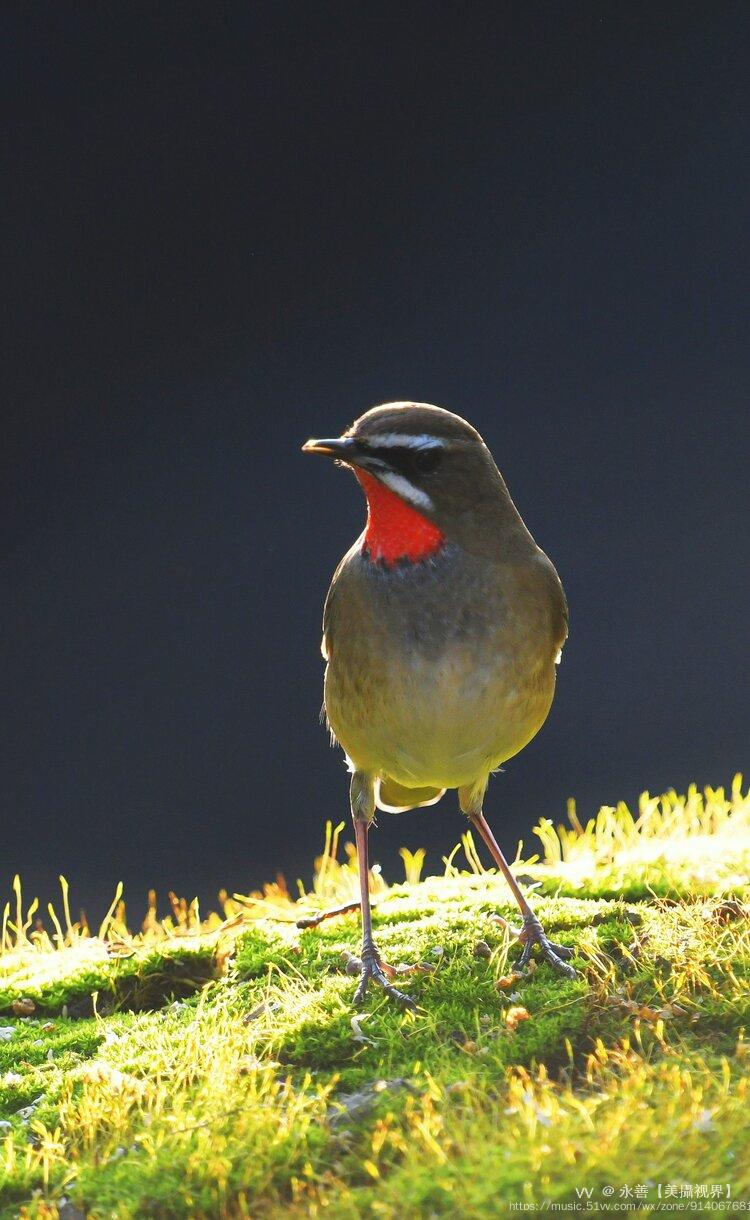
[
  {"x": 531, "y": 933},
  {"x": 373, "y": 967}
]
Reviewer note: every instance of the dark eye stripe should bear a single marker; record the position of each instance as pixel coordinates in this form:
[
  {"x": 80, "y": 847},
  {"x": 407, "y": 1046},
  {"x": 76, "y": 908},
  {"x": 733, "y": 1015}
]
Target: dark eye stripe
[{"x": 406, "y": 459}]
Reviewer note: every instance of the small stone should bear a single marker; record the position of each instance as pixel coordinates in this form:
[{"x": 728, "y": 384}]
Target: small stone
[
  {"x": 348, "y": 1106},
  {"x": 68, "y": 1211},
  {"x": 23, "y": 1007},
  {"x": 482, "y": 949}
]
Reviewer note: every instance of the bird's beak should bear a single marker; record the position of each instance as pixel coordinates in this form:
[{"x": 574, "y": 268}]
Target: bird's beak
[{"x": 344, "y": 448}]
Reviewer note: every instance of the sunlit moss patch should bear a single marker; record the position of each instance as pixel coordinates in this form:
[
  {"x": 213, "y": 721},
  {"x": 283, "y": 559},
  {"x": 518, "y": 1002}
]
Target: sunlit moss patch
[{"x": 213, "y": 1067}]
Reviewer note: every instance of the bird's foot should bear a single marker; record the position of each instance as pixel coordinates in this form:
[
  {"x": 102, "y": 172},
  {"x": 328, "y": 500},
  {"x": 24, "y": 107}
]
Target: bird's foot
[
  {"x": 372, "y": 967},
  {"x": 532, "y": 933}
]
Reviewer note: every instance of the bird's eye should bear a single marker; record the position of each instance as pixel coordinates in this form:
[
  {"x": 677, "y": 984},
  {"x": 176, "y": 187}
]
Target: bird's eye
[{"x": 424, "y": 461}]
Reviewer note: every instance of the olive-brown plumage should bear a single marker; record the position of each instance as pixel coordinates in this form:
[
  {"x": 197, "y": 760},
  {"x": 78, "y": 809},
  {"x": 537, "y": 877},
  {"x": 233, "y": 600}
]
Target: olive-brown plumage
[{"x": 442, "y": 629}]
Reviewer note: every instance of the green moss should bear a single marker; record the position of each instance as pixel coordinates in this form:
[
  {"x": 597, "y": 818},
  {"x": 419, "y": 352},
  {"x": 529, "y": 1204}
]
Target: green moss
[
  {"x": 141, "y": 981},
  {"x": 264, "y": 1095}
]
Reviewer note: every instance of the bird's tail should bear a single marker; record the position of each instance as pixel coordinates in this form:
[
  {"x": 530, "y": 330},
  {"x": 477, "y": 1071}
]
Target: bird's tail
[{"x": 395, "y": 798}]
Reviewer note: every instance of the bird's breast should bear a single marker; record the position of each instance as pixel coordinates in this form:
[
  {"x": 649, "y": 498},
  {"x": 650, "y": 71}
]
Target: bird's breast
[{"x": 437, "y": 671}]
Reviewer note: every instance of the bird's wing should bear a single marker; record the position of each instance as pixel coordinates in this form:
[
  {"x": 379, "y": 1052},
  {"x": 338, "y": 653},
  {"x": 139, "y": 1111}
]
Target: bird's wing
[{"x": 329, "y": 609}]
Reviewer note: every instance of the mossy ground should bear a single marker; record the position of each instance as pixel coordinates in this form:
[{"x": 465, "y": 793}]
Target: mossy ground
[{"x": 218, "y": 1070}]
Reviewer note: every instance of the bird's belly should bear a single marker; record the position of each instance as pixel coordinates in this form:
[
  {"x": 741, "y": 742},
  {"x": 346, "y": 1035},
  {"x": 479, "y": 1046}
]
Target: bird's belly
[{"x": 442, "y": 721}]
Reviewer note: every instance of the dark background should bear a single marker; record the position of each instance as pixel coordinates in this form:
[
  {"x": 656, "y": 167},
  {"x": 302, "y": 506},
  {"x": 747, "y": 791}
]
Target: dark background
[{"x": 227, "y": 228}]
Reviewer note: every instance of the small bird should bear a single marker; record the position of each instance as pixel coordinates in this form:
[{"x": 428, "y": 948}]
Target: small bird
[{"x": 442, "y": 629}]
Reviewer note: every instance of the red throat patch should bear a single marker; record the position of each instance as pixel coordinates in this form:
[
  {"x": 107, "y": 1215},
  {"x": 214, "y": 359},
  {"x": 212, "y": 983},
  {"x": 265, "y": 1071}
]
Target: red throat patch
[{"x": 394, "y": 529}]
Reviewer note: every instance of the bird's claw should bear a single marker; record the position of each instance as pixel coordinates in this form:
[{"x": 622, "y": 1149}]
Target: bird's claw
[
  {"x": 532, "y": 933},
  {"x": 372, "y": 967}
]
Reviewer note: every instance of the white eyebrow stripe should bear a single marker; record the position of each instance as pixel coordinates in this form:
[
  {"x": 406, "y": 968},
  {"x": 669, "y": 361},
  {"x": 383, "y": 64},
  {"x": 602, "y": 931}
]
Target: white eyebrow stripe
[
  {"x": 403, "y": 440},
  {"x": 405, "y": 489}
]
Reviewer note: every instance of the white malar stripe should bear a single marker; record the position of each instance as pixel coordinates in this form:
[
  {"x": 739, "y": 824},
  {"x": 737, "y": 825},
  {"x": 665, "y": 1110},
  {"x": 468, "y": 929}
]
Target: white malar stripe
[
  {"x": 402, "y": 440},
  {"x": 405, "y": 489}
]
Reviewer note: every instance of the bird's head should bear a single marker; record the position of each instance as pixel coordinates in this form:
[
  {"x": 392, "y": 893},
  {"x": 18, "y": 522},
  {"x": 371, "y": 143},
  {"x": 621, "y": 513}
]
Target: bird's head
[{"x": 428, "y": 476}]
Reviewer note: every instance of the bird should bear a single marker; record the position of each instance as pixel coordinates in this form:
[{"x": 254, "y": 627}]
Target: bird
[{"x": 442, "y": 630}]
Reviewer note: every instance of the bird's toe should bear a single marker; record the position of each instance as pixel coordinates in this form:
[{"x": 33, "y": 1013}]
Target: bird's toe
[
  {"x": 532, "y": 933},
  {"x": 373, "y": 969}
]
